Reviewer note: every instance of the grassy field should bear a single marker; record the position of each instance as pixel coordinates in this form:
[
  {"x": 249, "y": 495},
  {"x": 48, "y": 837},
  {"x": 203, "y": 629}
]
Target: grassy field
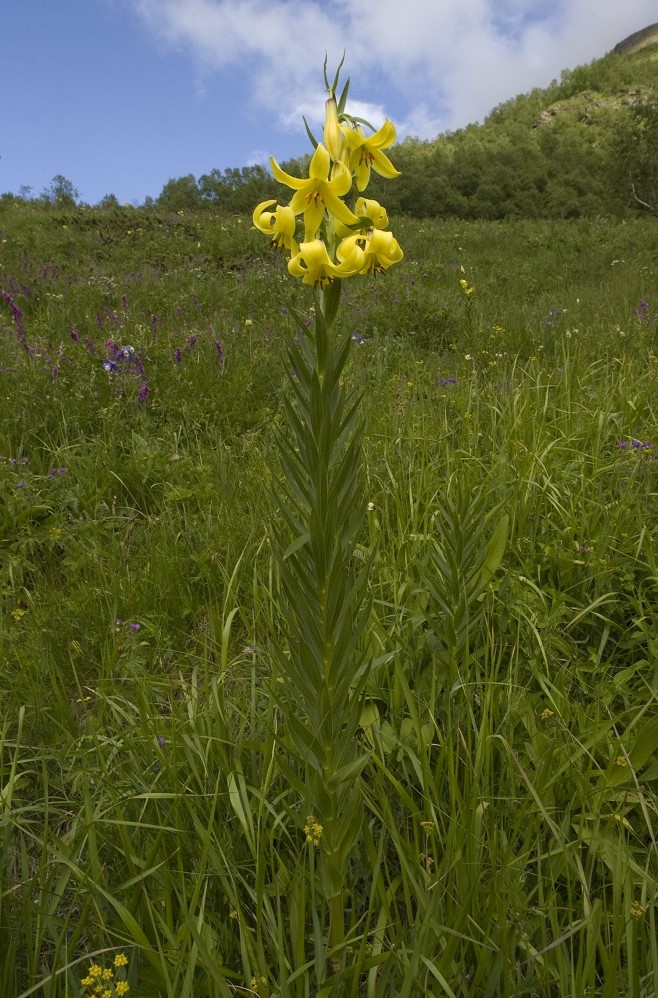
[{"x": 152, "y": 803}]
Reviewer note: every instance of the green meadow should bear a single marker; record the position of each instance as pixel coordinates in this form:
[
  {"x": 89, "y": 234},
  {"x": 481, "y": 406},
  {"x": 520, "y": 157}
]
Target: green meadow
[{"x": 153, "y": 803}]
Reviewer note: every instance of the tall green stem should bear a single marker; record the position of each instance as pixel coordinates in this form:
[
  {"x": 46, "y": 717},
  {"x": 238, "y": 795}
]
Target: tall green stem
[{"x": 322, "y": 669}]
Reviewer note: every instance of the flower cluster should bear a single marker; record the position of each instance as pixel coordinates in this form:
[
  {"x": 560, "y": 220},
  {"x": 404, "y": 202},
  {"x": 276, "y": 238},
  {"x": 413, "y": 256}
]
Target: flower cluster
[
  {"x": 313, "y": 830},
  {"x": 326, "y": 238},
  {"x": 107, "y": 982}
]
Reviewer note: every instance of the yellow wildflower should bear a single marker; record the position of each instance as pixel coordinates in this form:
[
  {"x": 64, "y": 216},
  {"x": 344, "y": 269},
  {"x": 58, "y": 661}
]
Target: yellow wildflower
[
  {"x": 279, "y": 224},
  {"x": 312, "y": 830},
  {"x": 369, "y": 208},
  {"x": 380, "y": 250},
  {"x": 122, "y": 987},
  {"x": 313, "y": 264},
  {"x": 318, "y": 193},
  {"x": 365, "y": 153},
  {"x": 121, "y": 960}
]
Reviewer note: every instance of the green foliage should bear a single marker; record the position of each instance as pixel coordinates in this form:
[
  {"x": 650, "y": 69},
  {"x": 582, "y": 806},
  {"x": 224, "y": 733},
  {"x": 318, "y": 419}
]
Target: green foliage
[
  {"x": 180, "y": 194},
  {"x": 634, "y": 156},
  {"x": 60, "y": 192},
  {"x": 152, "y": 798}
]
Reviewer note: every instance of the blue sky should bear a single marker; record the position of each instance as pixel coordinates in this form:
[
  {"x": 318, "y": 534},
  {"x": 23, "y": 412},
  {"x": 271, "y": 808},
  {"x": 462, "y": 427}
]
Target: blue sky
[{"x": 119, "y": 96}]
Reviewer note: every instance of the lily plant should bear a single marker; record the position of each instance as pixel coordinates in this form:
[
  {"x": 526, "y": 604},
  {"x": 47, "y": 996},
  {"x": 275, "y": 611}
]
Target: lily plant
[{"x": 321, "y": 663}]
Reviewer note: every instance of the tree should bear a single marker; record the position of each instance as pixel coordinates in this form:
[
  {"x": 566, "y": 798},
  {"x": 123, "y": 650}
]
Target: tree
[
  {"x": 60, "y": 192},
  {"x": 109, "y": 201},
  {"x": 633, "y": 156},
  {"x": 180, "y": 194}
]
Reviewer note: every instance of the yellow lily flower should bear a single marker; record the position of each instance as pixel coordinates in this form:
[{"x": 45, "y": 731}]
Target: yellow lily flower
[
  {"x": 365, "y": 153},
  {"x": 279, "y": 224},
  {"x": 371, "y": 209},
  {"x": 313, "y": 264},
  {"x": 380, "y": 250},
  {"x": 364, "y": 208},
  {"x": 318, "y": 193}
]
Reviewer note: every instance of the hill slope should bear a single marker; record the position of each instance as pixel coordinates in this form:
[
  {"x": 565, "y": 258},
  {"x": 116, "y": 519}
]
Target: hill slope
[{"x": 546, "y": 153}]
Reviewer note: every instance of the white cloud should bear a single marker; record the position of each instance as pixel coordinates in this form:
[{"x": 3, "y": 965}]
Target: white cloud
[{"x": 441, "y": 63}]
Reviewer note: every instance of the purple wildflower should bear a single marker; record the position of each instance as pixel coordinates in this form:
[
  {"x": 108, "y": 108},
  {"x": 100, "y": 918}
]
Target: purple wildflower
[
  {"x": 358, "y": 338},
  {"x": 17, "y": 316},
  {"x": 641, "y": 311},
  {"x": 444, "y": 382},
  {"x": 142, "y": 393},
  {"x": 178, "y": 356},
  {"x": 57, "y": 472},
  {"x": 191, "y": 340},
  {"x": 75, "y": 335},
  {"x": 220, "y": 353}
]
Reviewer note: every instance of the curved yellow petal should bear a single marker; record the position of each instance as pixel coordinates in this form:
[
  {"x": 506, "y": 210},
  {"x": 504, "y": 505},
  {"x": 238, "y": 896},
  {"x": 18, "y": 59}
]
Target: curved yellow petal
[
  {"x": 259, "y": 210},
  {"x": 341, "y": 179},
  {"x": 384, "y": 136},
  {"x": 362, "y": 173},
  {"x": 381, "y": 164},
  {"x": 285, "y": 178},
  {"x": 318, "y": 168},
  {"x": 313, "y": 215},
  {"x": 338, "y": 208}
]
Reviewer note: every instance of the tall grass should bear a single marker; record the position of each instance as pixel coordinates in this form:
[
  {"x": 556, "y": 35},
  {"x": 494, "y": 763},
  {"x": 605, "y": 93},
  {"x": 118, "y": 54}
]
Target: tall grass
[{"x": 507, "y": 836}]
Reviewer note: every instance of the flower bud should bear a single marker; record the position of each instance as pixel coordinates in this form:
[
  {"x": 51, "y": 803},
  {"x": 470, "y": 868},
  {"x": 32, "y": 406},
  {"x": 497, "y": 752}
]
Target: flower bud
[{"x": 333, "y": 136}]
